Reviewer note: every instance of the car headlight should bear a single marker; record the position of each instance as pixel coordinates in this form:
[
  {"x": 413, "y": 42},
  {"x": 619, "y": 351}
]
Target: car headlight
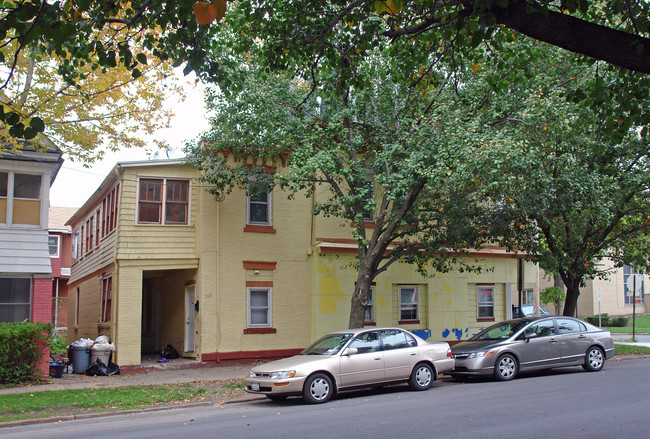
[
  {"x": 479, "y": 354},
  {"x": 251, "y": 374},
  {"x": 282, "y": 374}
]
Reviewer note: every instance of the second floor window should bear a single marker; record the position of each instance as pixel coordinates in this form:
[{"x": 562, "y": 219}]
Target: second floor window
[
  {"x": 258, "y": 208},
  {"x": 53, "y": 245},
  {"x": 163, "y": 201},
  {"x": 20, "y": 198}
]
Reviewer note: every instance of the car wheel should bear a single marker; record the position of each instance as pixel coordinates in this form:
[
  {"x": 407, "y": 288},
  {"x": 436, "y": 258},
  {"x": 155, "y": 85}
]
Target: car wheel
[
  {"x": 505, "y": 368},
  {"x": 318, "y": 389},
  {"x": 421, "y": 377},
  {"x": 276, "y": 397},
  {"x": 594, "y": 359}
]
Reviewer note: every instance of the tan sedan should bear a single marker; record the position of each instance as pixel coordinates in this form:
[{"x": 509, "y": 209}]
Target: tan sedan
[{"x": 351, "y": 359}]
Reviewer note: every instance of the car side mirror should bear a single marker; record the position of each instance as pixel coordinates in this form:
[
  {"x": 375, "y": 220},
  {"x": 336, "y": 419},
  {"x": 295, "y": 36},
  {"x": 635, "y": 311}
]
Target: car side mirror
[
  {"x": 350, "y": 351},
  {"x": 529, "y": 335}
]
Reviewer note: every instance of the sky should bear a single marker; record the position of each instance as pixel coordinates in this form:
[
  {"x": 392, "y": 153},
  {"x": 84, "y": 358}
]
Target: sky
[{"x": 74, "y": 183}]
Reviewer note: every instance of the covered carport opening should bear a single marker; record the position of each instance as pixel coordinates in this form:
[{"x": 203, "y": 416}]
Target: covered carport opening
[{"x": 168, "y": 312}]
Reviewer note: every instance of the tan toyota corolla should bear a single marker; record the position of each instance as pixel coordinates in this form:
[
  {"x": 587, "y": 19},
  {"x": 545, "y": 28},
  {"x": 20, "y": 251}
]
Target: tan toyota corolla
[{"x": 350, "y": 359}]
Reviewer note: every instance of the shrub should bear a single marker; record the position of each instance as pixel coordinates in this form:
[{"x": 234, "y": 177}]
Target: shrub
[
  {"x": 618, "y": 322},
  {"x": 19, "y": 350},
  {"x": 604, "y": 320}
]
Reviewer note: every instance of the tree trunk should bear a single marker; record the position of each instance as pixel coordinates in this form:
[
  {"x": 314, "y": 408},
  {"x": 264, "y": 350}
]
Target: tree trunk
[
  {"x": 557, "y": 282},
  {"x": 360, "y": 299},
  {"x": 572, "y": 293}
]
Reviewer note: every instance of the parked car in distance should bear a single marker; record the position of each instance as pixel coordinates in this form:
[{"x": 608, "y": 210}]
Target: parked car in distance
[
  {"x": 531, "y": 343},
  {"x": 527, "y": 311},
  {"x": 352, "y": 359}
]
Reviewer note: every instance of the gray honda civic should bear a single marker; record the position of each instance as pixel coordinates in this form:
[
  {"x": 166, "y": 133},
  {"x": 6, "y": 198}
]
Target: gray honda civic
[{"x": 532, "y": 343}]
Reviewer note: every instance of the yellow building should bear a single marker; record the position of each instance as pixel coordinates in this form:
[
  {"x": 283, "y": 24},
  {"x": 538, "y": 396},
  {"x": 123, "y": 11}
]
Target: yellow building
[{"x": 158, "y": 260}]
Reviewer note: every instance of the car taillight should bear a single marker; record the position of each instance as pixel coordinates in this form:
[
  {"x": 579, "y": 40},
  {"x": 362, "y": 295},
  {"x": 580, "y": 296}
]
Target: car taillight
[{"x": 448, "y": 353}]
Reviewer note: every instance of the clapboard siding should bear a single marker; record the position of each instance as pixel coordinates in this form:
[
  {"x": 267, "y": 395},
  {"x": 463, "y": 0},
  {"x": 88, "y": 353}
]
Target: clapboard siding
[
  {"x": 24, "y": 251},
  {"x": 96, "y": 260},
  {"x": 152, "y": 241}
]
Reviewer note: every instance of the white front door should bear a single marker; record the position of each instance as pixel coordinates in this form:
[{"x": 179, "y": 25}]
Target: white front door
[{"x": 189, "y": 318}]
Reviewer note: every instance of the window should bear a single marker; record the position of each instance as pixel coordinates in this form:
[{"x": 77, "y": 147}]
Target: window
[
  {"x": 567, "y": 326},
  {"x": 486, "y": 302},
  {"x": 542, "y": 329},
  {"x": 4, "y": 190},
  {"x": 53, "y": 245},
  {"x": 77, "y": 295},
  {"x": 370, "y": 309},
  {"x": 158, "y": 196},
  {"x": 633, "y": 280},
  {"x": 366, "y": 342},
  {"x": 98, "y": 222},
  {"x": 20, "y": 198},
  {"x": 408, "y": 303},
  {"x": 107, "y": 298},
  {"x": 527, "y": 297},
  {"x": 75, "y": 246},
  {"x": 90, "y": 230},
  {"x": 395, "y": 339},
  {"x": 15, "y": 299},
  {"x": 109, "y": 209},
  {"x": 367, "y": 199},
  {"x": 259, "y": 307},
  {"x": 258, "y": 209}
]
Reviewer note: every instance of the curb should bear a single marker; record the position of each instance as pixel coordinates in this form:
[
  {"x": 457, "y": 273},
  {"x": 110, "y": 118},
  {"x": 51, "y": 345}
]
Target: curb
[{"x": 124, "y": 412}]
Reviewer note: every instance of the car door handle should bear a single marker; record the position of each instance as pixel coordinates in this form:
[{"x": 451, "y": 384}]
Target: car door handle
[
  {"x": 581, "y": 337},
  {"x": 378, "y": 358}
]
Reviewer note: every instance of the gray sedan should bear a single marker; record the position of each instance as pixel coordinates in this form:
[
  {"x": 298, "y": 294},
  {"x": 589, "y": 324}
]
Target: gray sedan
[{"x": 532, "y": 343}]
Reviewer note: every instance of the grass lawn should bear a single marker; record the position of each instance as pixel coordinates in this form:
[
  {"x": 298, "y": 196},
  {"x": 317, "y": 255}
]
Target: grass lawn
[
  {"x": 642, "y": 326},
  {"x": 624, "y": 349},
  {"x": 51, "y": 403}
]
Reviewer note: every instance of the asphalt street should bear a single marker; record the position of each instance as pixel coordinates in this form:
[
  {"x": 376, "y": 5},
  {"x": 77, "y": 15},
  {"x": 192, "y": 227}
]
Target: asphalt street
[{"x": 567, "y": 403}]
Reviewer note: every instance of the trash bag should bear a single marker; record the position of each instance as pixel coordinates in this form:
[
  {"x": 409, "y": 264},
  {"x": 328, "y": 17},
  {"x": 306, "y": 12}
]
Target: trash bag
[
  {"x": 97, "y": 368},
  {"x": 169, "y": 352}
]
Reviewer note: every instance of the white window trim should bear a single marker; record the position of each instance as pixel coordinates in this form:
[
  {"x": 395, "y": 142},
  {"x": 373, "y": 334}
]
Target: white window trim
[
  {"x": 269, "y": 322},
  {"x": 58, "y": 245},
  {"x": 269, "y": 211},
  {"x": 478, "y": 303},
  {"x": 43, "y": 199},
  {"x": 164, "y": 202},
  {"x": 417, "y": 303},
  {"x": 102, "y": 305}
]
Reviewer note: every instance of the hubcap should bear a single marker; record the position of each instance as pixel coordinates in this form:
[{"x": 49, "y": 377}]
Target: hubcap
[
  {"x": 595, "y": 358},
  {"x": 423, "y": 376},
  {"x": 319, "y": 389},
  {"x": 507, "y": 367}
]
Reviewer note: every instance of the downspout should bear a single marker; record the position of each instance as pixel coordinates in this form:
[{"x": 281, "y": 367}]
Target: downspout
[{"x": 56, "y": 303}]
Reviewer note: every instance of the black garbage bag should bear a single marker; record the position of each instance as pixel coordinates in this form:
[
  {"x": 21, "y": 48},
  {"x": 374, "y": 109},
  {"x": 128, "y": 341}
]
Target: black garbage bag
[
  {"x": 97, "y": 368},
  {"x": 113, "y": 369},
  {"x": 169, "y": 352}
]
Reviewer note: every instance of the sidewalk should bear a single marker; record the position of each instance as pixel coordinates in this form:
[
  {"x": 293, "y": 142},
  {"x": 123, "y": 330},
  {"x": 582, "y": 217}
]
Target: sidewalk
[{"x": 146, "y": 374}]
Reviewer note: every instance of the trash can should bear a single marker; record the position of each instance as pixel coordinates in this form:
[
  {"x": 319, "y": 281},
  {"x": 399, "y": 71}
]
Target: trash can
[
  {"x": 101, "y": 352},
  {"x": 80, "y": 359},
  {"x": 56, "y": 369}
]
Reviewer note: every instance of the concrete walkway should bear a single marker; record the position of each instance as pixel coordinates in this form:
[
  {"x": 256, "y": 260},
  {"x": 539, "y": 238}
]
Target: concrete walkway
[{"x": 167, "y": 373}]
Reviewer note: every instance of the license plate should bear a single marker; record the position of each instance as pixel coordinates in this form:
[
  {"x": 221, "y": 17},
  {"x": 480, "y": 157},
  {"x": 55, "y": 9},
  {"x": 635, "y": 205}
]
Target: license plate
[{"x": 255, "y": 387}]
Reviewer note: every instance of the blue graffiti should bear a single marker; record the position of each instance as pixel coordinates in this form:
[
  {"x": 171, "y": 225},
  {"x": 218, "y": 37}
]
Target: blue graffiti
[
  {"x": 458, "y": 333},
  {"x": 422, "y": 333}
]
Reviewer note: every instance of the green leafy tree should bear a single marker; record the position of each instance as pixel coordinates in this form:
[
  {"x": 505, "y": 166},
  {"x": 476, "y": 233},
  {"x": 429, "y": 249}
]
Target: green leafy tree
[
  {"x": 104, "y": 34},
  {"x": 380, "y": 153},
  {"x": 574, "y": 187}
]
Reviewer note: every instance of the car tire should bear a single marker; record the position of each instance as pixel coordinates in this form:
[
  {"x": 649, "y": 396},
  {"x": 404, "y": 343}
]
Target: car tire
[
  {"x": 594, "y": 359},
  {"x": 505, "y": 368},
  {"x": 422, "y": 377},
  {"x": 273, "y": 397},
  {"x": 318, "y": 389}
]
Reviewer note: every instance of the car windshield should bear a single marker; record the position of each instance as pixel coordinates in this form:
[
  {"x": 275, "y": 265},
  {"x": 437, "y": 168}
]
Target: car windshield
[
  {"x": 330, "y": 344},
  {"x": 500, "y": 331}
]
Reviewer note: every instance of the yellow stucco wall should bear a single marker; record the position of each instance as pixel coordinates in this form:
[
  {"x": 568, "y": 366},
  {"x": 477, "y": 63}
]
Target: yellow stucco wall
[{"x": 447, "y": 302}]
